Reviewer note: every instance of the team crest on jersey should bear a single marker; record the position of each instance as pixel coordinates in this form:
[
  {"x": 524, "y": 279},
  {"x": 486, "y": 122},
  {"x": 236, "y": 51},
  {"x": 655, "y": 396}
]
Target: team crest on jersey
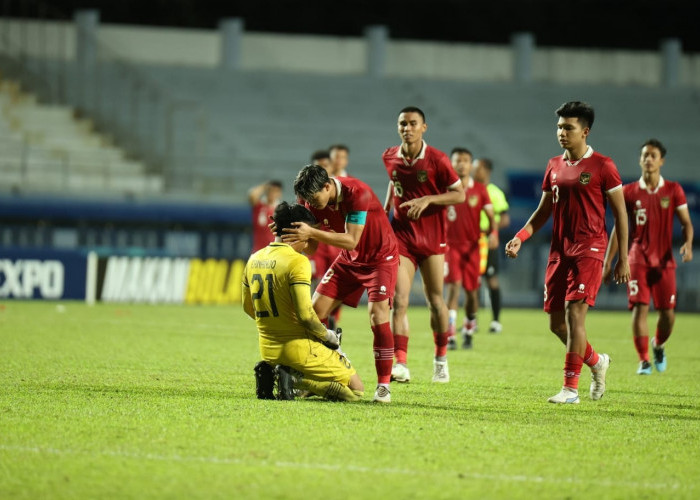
[
  {"x": 665, "y": 202},
  {"x": 422, "y": 175},
  {"x": 325, "y": 222},
  {"x": 584, "y": 178},
  {"x": 473, "y": 200}
]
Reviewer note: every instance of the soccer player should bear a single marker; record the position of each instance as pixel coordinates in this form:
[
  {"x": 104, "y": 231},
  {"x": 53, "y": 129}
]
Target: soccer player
[
  {"x": 651, "y": 204},
  {"x": 422, "y": 183},
  {"x": 575, "y": 187},
  {"x": 353, "y": 219},
  {"x": 275, "y": 293},
  {"x": 462, "y": 258},
  {"x": 339, "y": 155},
  {"x": 488, "y": 245},
  {"x": 323, "y": 158},
  {"x": 263, "y": 199}
]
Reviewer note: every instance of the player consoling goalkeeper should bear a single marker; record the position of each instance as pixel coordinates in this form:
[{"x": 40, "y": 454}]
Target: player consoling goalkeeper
[{"x": 298, "y": 352}]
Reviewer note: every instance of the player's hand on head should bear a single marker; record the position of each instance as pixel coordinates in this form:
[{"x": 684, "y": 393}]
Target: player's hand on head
[
  {"x": 300, "y": 232},
  {"x": 272, "y": 226}
]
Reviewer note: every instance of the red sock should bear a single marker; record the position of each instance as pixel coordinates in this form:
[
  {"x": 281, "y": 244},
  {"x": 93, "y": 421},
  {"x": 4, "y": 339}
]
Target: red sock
[
  {"x": 591, "y": 357},
  {"x": 383, "y": 352},
  {"x": 324, "y": 321},
  {"x": 441, "y": 343},
  {"x": 661, "y": 337},
  {"x": 572, "y": 369},
  {"x": 401, "y": 348},
  {"x": 642, "y": 346}
]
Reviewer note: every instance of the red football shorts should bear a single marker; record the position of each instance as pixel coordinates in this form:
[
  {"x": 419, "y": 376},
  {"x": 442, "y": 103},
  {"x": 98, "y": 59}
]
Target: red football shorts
[
  {"x": 347, "y": 281},
  {"x": 417, "y": 248},
  {"x": 462, "y": 264},
  {"x": 571, "y": 279},
  {"x": 659, "y": 282}
]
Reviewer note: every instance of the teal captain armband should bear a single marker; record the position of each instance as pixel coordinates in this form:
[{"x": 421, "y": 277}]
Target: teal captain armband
[{"x": 356, "y": 218}]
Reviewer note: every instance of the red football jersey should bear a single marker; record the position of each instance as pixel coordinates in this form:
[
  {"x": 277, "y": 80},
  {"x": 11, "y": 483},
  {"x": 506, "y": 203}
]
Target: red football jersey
[
  {"x": 579, "y": 199},
  {"x": 651, "y": 221},
  {"x": 464, "y": 219},
  {"x": 430, "y": 173},
  {"x": 262, "y": 236},
  {"x": 377, "y": 243}
]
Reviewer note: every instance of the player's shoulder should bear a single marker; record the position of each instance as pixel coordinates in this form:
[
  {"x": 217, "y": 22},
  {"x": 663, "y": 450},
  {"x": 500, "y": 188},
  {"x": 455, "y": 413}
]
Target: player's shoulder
[
  {"x": 602, "y": 159},
  {"x": 391, "y": 152},
  {"x": 436, "y": 154}
]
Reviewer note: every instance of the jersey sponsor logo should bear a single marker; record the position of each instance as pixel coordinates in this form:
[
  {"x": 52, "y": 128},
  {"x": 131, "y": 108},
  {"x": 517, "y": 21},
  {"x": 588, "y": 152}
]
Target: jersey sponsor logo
[
  {"x": 473, "y": 200},
  {"x": 665, "y": 202},
  {"x": 382, "y": 290},
  {"x": 581, "y": 288},
  {"x": 22, "y": 278},
  {"x": 422, "y": 175},
  {"x": 584, "y": 178}
]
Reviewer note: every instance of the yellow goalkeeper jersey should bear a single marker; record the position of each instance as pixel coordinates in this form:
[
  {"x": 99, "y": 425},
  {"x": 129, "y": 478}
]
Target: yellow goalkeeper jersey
[{"x": 268, "y": 276}]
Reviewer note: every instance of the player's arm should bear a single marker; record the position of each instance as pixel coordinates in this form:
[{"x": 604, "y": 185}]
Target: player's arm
[
  {"x": 610, "y": 254},
  {"x": 617, "y": 204},
  {"x": 493, "y": 229},
  {"x": 301, "y": 298},
  {"x": 687, "y": 228},
  {"x": 389, "y": 197},
  {"x": 246, "y": 298},
  {"x": 416, "y": 207},
  {"x": 354, "y": 225},
  {"x": 535, "y": 222},
  {"x": 504, "y": 221},
  {"x": 256, "y": 192}
]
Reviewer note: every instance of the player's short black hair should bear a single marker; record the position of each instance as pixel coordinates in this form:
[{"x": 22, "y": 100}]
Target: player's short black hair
[
  {"x": 486, "y": 163},
  {"x": 320, "y": 154},
  {"x": 310, "y": 180},
  {"x": 577, "y": 109},
  {"x": 413, "y": 109},
  {"x": 275, "y": 183},
  {"x": 461, "y": 151},
  {"x": 341, "y": 147},
  {"x": 285, "y": 214},
  {"x": 655, "y": 143}
]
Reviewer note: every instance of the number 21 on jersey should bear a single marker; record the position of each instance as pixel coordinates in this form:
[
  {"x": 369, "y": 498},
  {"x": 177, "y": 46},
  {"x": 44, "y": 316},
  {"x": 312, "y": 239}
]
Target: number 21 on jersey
[{"x": 260, "y": 301}]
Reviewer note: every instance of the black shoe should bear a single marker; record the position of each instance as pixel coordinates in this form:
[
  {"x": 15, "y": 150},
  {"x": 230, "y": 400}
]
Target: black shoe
[
  {"x": 264, "y": 380},
  {"x": 285, "y": 383},
  {"x": 467, "y": 344},
  {"x": 452, "y": 343}
]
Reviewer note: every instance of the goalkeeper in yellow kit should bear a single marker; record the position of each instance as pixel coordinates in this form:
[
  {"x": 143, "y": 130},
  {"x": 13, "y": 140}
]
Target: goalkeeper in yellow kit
[{"x": 276, "y": 294}]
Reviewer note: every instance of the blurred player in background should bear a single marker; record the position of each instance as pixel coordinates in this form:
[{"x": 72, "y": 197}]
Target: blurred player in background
[
  {"x": 488, "y": 245},
  {"x": 422, "y": 183},
  {"x": 651, "y": 202},
  {"x": 462, "y": 258},
  {"x": 340, "y": 156},
  {"x": 322, "y": 158},
  {"x": 352, "y": 219},
  {"x": 332, "y": 161},
  {"x": 263, "y": 199},
  {"x": 275, "y": 293},
  {"x": 575, "y": 187}
]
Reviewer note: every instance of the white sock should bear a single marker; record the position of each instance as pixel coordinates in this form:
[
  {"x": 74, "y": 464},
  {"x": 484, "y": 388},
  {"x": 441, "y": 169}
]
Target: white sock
[{"x": 452, "y": 317}]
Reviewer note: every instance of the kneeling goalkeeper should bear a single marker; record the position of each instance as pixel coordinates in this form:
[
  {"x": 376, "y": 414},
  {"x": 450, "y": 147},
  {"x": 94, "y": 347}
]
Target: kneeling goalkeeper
[{"x": 276, "y": 294}]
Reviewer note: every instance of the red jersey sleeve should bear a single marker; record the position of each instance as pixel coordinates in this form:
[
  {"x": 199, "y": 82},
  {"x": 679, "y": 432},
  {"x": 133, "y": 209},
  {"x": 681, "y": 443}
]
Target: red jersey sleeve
[
  {"x": 610, "y": 177},
  {"x": 445, "y": 174},
  {"x": 547, "y": 180},
  {"x": 679, "y": 198},
  {"x": 359, "y": 199}
]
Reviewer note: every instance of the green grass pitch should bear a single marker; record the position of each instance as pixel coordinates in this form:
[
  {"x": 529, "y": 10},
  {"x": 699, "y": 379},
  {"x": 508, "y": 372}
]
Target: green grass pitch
[{"x": 124, "y": 401}]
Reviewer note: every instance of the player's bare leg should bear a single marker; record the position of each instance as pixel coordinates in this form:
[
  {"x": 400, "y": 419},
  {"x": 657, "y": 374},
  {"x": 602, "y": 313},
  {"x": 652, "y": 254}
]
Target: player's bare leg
[
  {"x": 432, "y": 272},
  {"x": 399, "y": 319},
  {"x": 453, "y": 291},
  {"x": 380, "y": 320},
  {"x": 494, "y": 289},
  {"x": 664, "y": 327},
  {"x": 323, "y": 305},
  {"x": 471, "y": 306},
  {"x": 640, "y": 333}
]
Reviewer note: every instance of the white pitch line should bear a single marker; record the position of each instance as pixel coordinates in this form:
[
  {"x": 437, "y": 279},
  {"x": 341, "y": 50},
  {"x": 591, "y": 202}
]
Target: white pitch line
[{"x": 353, "y": 468}]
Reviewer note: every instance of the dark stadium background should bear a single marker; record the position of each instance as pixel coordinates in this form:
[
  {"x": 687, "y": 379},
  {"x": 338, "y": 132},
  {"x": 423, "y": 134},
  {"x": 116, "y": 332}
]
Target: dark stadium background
[{"x": 624, "y": 24}]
